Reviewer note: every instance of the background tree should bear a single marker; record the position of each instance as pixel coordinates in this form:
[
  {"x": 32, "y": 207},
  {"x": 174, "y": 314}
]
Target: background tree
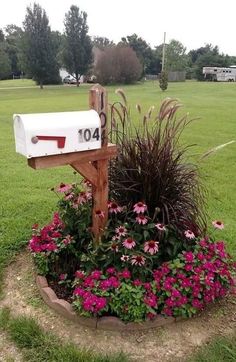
[
  {"x": 118, "y": 64},
  {"x": 77, "y": 53},
  {"x": 141, "y": 48},
  {"x": 5, "y": 67},
  {"x": 13, "y": 42},
  {"x": 176, "y": 58},
  {"x": 102, "y": 42},
  {"x": 163, "y": 81},
  {"x": 38, "y": 49}
]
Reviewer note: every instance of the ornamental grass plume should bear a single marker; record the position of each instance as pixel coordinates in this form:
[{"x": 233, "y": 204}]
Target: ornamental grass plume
[{"x": 151, "y": 170}]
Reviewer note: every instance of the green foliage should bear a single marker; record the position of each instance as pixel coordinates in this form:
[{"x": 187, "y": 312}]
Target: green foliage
[
  {"x": 14, "y": 36},
  {"x": 5, "y": 66},
  {"x": 38, "y": 50},
  {"x": 127, "y": 303},
  {"x": 40, "y": 346},
  {"x": 163, "y": 81},
  {"x": 176, "y": 58},
  {"x": 77, "y": 53},
  {"x": 220, "y": 349}
]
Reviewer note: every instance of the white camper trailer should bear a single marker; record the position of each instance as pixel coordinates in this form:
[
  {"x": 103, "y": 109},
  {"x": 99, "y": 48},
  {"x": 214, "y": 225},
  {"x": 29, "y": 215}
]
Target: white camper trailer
[{"x": 220, "y": 74}]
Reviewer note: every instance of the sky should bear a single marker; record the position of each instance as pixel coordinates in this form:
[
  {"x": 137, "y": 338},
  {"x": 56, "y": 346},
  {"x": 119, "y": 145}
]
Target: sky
[{"x": 193, "y": 23}]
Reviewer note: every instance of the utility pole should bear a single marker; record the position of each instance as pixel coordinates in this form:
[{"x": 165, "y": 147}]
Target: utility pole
[{"x": 163, "y": 53}]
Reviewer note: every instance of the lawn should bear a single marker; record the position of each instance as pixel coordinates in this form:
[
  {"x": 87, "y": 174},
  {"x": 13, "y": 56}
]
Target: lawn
[{"x": 24, "y": 197}]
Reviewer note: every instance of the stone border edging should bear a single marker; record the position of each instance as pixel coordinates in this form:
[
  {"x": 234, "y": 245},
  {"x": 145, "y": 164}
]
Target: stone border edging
[{"x": 64, "y": 308}]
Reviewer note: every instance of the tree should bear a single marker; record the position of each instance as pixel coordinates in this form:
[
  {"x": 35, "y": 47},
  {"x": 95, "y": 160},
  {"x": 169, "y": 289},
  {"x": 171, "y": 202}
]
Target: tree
[
  {"x": 176, "y": 58},
  {"x": 118, "y": 64},
  {"x": 102, "y": 42},
  {"x": 77, "y": 53},
  {"x": 39, "y": 52},
  {"x": 5, "y": 67},
  {"x": 141, "y": 48},
  {"x": 13, "y": 47}
]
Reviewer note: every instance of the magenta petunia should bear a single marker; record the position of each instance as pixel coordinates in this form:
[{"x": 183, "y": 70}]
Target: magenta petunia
[{"x": 140, "y": 207}]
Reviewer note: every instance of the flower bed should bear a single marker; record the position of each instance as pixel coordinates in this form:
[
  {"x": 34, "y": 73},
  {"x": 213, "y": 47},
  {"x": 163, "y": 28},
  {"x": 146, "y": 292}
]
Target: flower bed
[{"x": 153, "y": 258}]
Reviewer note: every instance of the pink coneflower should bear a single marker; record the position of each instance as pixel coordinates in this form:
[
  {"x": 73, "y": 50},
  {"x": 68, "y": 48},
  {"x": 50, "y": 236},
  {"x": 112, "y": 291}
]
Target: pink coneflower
[
  {"x": 113, "y": 207},
  {"x": 115, "y": 237},
  {"x": 141, "y": 219},
  {"x": 100, "y": 214},
  {"x": 140, "y": 207},
  {"x": 189, "y": 234},
  {"x": 121, "y": 230},
  {"x": 83, "y": 197},
  {"x": 160, "y": 227},
  {"x": 151, "y": 247},
  {"x": 87, "y": 183},
  {"x": 69, "y": 196},
  {"x": 64, "y": 188},
  {"x": 218, "y": 224},
  {"x": 124, "y": 258},
  {"x": 114, "y": 247},
  {"x": 138, "y": 260},
  {"x": 62, "y": 277},
  {"x": 129, "y": 243}
]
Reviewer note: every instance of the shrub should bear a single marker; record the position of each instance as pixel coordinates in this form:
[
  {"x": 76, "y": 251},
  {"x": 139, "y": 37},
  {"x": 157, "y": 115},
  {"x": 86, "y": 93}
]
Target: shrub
[
  {"x": 118, "y": 64},
  {"x": 163, "y": 81}
]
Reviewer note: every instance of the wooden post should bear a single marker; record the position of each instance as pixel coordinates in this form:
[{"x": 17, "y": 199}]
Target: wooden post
[
  {"x": 92, "y": 164},
  {"x": 98, "y": 102}
]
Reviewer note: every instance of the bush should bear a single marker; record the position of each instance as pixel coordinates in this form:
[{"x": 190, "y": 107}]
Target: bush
[
  {"x": 163, "y": 81},
  {"x": 118, "y": 64}
]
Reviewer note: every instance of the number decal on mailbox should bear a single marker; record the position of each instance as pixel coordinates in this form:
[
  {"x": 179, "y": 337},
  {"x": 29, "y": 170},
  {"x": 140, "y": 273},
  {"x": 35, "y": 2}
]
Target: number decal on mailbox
[{"x": 89, "y": 135}]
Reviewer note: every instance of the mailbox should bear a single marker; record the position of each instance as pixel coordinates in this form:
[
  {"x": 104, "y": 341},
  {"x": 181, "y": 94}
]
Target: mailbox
[{"x": 44, "y": 134}]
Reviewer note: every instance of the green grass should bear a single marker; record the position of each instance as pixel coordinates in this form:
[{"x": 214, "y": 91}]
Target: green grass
[
  {"x": 219, "y": 350},
  {"x": 24, "y": 196},
  {"x": 17, "y": 83},
  {"x": 37, "y": 345}
]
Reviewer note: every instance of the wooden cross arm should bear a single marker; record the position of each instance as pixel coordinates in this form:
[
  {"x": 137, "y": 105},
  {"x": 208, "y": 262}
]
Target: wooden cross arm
[{"x": 74, "y": 157}]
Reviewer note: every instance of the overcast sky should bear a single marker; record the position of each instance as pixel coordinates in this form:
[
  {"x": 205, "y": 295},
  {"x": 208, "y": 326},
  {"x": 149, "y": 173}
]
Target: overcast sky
[{"x": 194, "y": 23}]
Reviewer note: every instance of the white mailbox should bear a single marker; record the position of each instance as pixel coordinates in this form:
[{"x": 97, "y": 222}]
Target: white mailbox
[{"x": 44, "y": 134}]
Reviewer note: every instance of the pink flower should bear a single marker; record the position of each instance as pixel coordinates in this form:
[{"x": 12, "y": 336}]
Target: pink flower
[
  {"x": 129, "y": 243},
  {"x": 83, "y": 197},
  {"x": 113, "y": 207},
  {"x": 96, "y": 274},
  {"x": 140, "y": 207},
  {"x": 218, "y": 224},
  {"x": 150, "y": 300},
  {"x": 150, "y": 316},
  {"x": 189, "y": 234},
  {"x": 64, "y": 188},
  {"x": 100, "y": 214},
  {"x": 69, "y": 196},
  {"x": 105, "y": 284},
  {"x": 197, "y": 304},
  {"x": 137, "y": 282},
  {"x": 189, "y": 257},
  {"x": 114, "y": 282},
  {"x": 138, "y": 260},
  {"x": 124, "y": 258},
  {"x": 141, "y": 219},
  {"x": 151, "y": 247},
  {"x": 160, "y": 227},
  {"x": 114, "y": 247},
  {"x": 111, "y": 270},
  {"x": 62, "y": 276},
  {"x": 125, "y": 274},
  {"x": 79, "y": 274},
  {"x": 121, "y": 230}
]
